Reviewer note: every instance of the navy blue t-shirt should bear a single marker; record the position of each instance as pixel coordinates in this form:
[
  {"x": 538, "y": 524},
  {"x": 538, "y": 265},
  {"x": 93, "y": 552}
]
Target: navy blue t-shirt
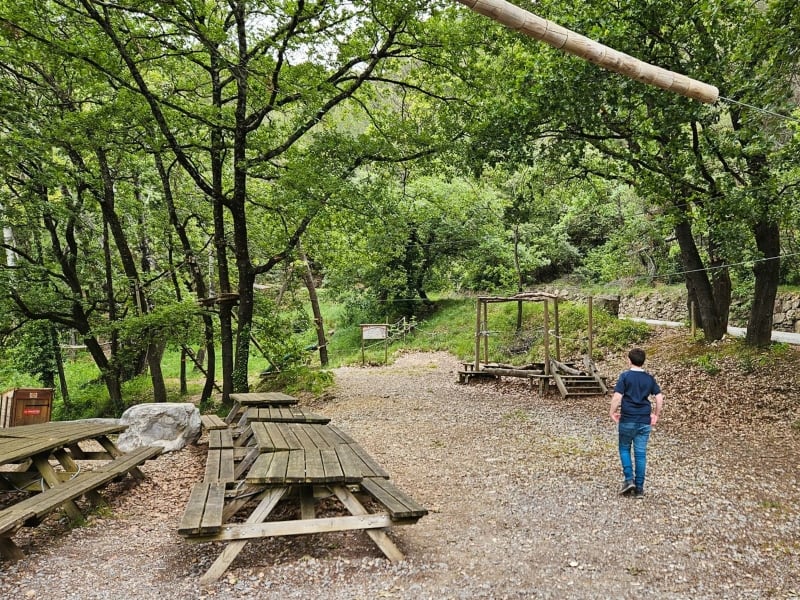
[{"x": 636, "y": 388}]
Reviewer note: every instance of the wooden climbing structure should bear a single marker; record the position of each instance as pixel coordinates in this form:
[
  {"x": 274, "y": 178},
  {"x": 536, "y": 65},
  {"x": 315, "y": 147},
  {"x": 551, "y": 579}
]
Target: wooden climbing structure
[
  {"x": 569, "y": 378},
  {"x": 572, "y": 381}
]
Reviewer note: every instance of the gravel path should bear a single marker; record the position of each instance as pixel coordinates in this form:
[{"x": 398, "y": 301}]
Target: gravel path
[{"x": 522, "y": 494}]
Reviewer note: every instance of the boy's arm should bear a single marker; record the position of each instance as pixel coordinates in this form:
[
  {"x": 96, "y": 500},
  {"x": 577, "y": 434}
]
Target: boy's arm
[
  {"x": 613, "y": 411},
  {"x": 659, "y": 398}
]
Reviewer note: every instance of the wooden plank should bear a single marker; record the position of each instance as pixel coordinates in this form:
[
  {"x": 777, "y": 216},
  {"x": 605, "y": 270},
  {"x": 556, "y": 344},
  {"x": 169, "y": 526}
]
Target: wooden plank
[
  {"x": 245, "y": 463},
  {"x": 219, "y": 465},
  {"x": 288, "y": 432},
  {"x": 220, "y": 438},
  {"x": 213, "y": 422},
  {"x": 314, "y": 432},
  {"x": 212, "y": 513},
  {"x": 277, "y": 468},
  {"x": 226, "y": 467},
  {"x": 203, "y": 512},
  {"x": 258, "y": 472},
  {"x": 399, "y": 504},
  {"x": 346, "y": 439},
  {"x": 296, "y": 467},
  {"x": 352, "y": 466},
  {"x": 303, "y": 438},
  {"x": 195, "y": 506},
  {"x": 315, "y": 470},
  {"x": 247, "y": 531},
  {"x": 234, "y": 411},
  {"x": 277, "y": 441},
  {"x": 330, "y": 463},
  {"x": 244, "y": 436},
  {"x": 263, "y": 398},
  {"x": 213, "y": 459},
  {"x": 371, "y": 463}
]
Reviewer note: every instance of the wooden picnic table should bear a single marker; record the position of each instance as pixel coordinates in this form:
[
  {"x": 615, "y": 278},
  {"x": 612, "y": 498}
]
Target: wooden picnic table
[
  {"x": 273, "y": 414},
  {"x": 262, "y": 399},
  {"x": 27, "y": 452},
  {"x": 39, "y": 442},
  {"x": 301, "y": 461}
]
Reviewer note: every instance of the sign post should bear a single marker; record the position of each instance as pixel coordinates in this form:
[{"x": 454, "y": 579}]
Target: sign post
[{"x": 375, "y": 332}]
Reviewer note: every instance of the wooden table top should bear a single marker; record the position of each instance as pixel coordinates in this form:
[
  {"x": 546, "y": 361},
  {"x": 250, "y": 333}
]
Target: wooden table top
[
  {"x": 264, "y": 399},
  {"x": 309, "y": 453},
  {"x": 19, "y": 443},
  {"x": 283, "y": 414}
]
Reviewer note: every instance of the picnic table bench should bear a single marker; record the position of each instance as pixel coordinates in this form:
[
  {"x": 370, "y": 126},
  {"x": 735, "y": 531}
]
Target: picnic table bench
[
  {"x": 301, "y": 460},
  {"x": 31, "y": 448},
  {"x": 212, "y": 422}
]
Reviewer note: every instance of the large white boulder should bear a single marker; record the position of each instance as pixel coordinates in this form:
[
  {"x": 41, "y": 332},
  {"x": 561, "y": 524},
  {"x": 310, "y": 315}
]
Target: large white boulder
[{"x": 171, "y": 425}]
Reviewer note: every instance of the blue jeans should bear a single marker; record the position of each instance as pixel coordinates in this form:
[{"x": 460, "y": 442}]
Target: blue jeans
[{"x": 636, "y": 434}]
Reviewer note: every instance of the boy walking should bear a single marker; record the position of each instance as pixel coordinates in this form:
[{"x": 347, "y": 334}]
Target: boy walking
[{"x": 634, "y": 414}]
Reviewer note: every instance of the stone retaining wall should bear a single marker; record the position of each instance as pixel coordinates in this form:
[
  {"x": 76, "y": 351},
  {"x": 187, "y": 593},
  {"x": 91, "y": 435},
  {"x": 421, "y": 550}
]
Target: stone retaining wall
[{"x": 671, "y": 305}]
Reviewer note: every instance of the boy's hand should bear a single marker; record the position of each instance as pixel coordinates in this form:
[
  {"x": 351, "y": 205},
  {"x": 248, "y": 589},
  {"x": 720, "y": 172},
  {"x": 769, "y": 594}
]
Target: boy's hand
[
  {"x": 653, "y": 419},
  {"x": 615, "y": 417}
]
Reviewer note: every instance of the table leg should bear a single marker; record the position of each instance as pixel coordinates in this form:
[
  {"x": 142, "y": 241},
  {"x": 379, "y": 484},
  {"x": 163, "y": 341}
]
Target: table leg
[
  {"x": 9, "y": 550},
  {"x": 51, "y": 479},
  {"x": 115, "y": 452},
  {"x": 378, "y": 536},
  {"x": 307, "y": 510},
  {"x": 70, "y": 466},
  {"x": 268, "y": 499},
  {"x": 233, "y": 412}
]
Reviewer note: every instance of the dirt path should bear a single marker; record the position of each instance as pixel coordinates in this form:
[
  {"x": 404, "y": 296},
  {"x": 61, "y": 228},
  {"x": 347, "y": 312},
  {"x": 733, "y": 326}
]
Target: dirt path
[{"x": 522, "y": 494}]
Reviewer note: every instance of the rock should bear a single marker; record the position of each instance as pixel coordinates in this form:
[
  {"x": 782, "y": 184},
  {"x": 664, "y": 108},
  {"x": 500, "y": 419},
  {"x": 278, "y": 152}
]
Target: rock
[{"x": 171, "y": 425}]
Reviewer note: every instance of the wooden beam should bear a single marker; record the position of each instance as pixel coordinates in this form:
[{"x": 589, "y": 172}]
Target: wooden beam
[{"x": 578, "y": 45}]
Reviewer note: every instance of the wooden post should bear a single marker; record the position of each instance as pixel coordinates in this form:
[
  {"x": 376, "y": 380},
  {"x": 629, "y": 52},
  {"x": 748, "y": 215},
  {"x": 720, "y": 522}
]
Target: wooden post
[
  {"x": 573, "y": 43},
  {"x": 546, "y": 340},
  {"x": 692, "y": 317},
  {"x": 478, "y": 336},
  {"x": 486, "y": 333},
  {"x": 591, "y": 327},
  {"x": 556, "y": 328}
]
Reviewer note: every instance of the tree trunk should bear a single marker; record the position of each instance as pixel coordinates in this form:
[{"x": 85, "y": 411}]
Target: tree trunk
[
  {"x": 154, "y": 353},
  {"x": 518, "y": 271},
  {"x": 198, "y": 283},
  {"x": 767, "y": 273},
  {"x": 110, "y": 376},
  {"x": 308, "y": 277},
  {"x": 712, "y": 301},
  {"x": 62, "y": 377}
]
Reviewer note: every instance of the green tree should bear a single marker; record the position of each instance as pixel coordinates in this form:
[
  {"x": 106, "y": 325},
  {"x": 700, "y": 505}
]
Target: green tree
[{"x": 712, "y": 170}]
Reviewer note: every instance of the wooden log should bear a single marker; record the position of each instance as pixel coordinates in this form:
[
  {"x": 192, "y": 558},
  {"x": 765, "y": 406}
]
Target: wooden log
[
  {"x": 560, "y": 367},
  {"x": 513, "y": 372},
  {"x": 578, "y": 45}
]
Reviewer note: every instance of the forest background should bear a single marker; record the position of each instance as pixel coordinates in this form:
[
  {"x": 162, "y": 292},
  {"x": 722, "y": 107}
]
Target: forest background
[{"x": 183, "y": 177}]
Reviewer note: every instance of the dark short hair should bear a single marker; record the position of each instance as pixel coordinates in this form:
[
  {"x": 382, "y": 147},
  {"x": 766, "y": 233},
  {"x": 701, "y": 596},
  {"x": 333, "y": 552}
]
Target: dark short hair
[{"x": 636, "y": 356}]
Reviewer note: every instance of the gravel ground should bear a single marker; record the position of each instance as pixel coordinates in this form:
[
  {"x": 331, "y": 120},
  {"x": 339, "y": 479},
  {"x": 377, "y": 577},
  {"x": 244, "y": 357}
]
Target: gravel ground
[{"x": 522, "y": 498}]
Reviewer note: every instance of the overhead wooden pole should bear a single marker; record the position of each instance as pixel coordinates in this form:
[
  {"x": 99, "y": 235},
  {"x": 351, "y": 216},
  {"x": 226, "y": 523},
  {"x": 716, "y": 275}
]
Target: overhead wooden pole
[{"x": 521, "y": 20}]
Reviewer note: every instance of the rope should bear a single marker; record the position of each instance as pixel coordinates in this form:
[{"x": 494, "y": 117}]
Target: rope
[{"x": 762, "y": 110}]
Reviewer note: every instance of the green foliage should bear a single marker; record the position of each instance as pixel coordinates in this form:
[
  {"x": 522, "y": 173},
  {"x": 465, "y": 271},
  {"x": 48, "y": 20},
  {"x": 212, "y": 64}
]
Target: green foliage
[
  {"x": 708, "y": 363},
  {"x": 620, "y": 334},
  {"x": 295, "y": 379},
  {"x": 32, "y": 352}
]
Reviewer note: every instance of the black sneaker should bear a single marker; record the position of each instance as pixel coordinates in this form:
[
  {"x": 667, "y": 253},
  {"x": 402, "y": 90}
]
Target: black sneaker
[
  {"x": 638, "y": 494},
  {"x": 627, "y": 487}
]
